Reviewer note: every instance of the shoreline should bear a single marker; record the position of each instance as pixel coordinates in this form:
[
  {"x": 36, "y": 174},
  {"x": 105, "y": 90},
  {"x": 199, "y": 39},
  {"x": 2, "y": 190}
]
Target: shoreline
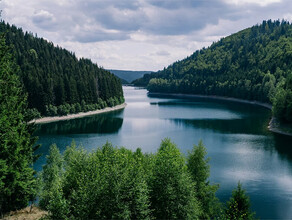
[
  {"x": 273, "y": 126},
  {"x": 77, "y": 115}
]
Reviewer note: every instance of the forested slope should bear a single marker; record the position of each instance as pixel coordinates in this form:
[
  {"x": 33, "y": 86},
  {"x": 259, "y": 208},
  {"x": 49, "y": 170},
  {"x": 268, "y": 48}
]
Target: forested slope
[
  {"x": 253, "y": 64},
  {"x": 57, "y": 82}
]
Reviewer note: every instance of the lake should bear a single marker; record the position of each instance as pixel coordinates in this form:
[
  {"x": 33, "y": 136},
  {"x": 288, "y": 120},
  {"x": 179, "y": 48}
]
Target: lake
[{"x": 235, "y": 134}]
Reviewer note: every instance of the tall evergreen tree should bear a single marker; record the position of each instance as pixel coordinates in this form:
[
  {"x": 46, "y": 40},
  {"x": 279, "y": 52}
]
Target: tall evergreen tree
[
  {"x": 199, "y": 168},
  {"x": 171, "y": 188},
  {"x": 238, "y": 207},
  {"x": 17, "y": 181}
]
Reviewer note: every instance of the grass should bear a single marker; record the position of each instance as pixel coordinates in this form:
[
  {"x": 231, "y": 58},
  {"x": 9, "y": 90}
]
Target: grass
[{"x": 28, "y": 213}]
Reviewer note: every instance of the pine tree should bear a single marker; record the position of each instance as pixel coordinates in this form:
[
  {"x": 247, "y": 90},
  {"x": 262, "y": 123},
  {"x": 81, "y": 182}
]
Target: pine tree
[
  {"x": 17, "y": 181},
  {"x": 199, "y": 168},
  {"x": 238, "y": 207},
  {"x": 171, "y": 189}
]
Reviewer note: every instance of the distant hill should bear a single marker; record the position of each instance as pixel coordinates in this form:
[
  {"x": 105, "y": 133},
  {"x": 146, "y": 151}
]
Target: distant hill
[
  {"x": 57, "y": 82},
  {"x": 253, "y": 64},
  {"x": 123, "y": 81},
  {"x": 128, "y": 75}
]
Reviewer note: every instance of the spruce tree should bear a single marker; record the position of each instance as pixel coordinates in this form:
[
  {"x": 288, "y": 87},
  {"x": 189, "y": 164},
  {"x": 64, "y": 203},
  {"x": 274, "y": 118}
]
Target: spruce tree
[
  {"x": 17, "y": 181},
  {"x": 199, "y": 168},
  {"x": 171, "y": 188},
  {"x": 238, "y": 207}
]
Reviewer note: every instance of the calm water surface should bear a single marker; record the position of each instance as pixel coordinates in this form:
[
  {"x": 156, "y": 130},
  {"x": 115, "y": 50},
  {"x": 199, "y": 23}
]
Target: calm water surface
[{"x": 235, "y": 135}]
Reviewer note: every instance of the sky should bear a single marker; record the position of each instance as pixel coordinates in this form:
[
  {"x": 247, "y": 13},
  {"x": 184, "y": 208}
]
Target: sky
[{"x": 139, "y": 34}]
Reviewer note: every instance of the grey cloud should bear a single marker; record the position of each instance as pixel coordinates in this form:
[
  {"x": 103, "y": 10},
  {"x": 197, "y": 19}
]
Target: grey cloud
[
  {"x": 162, "y": 53},
  {"x": 176, "y": 4},
  {"x": 102, "y": 4},
  {"x": 44, "y": 19},
  {"x": 153, "y": 17},
  {"x": 129, "y": 20},
  {"x": 185, "y": 20},
  {"x": 157, "y": 17},
  {"x": 94, "y": 36}
]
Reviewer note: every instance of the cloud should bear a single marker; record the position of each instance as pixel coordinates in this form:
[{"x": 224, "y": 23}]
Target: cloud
[
  {"x": 139, "y": 34},
  {"x": 162, "y": 53},
  {"x": 99, "y": 35},
  {"x": 256, "y": 2},
  {"x": 44, "y": 19},
  {"x": 117, "y": 19}
]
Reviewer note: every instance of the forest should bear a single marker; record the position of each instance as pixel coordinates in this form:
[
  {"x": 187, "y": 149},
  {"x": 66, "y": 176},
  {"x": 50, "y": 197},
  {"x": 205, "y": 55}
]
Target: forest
[
  {"x": 162, "y": 185},
  {"x": 253, "y": 64},
  {"x": 56, "y": 81}
]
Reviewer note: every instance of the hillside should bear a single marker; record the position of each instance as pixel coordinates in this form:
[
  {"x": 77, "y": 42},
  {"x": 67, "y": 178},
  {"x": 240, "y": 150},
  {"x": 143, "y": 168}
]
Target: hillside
[
  {"x": 57, "y": 82},
  {"x": 129, "y": 75},
  {"x": 253, "y": 64}
]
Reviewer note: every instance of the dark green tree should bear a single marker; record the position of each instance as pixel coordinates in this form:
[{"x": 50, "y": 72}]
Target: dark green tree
[
  {"x": 199, "y": 168},
  {"x": 51, "y": 193},
  {"x": 171, "y": 188},
  {"x": 238, "y": 207},
  {"x": 17, "y": 181}
]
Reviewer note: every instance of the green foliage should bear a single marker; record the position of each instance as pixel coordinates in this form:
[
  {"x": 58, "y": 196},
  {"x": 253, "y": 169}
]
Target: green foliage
[
  {"x": 107, "y": 184},
  {"x": 113, "y": 183},
  {"x": 17, "y": 181},
  {"x": 199, "y": 169},
  {"x": 51, "y": 191},
  {"x": 63, "y": 80},
  {"x": 282, "y": 101},
  {"x": 172, "y": 194},
  {"x": 279, "y": 103},
  {"x": 66, "y": 109},
  {"x": 251, "y": 64},
  {"x": 117, "y": 183},
  {"x": 238, "y": 207},
  {"x": 32, "y": 114},
  {"x": 51, "y": 175}
]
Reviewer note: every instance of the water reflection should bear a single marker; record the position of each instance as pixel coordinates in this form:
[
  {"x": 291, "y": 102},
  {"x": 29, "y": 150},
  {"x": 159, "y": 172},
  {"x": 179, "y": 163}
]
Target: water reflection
[
  {"x": 224, "y": 126},
  {"x": 225, "y": 105},
  {"x": 283, "y": 146},
  {"x": 98, "y": 124}
]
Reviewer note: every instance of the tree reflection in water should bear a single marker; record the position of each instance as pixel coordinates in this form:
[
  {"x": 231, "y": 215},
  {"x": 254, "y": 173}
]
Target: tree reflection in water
[{"x": 102, "y": 124}]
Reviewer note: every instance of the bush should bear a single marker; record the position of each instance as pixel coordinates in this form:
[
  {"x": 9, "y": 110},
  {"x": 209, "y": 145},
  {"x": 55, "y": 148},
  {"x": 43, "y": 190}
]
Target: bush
[
  {"x": 51, "y": 110},
  {"x": 77, "y": 108},
  {"x": 72, "y": 109},
  {"x": 83, "y": 106},
  {"x": 32, "y": 114},
  {"x": 111, "y": 102},
  {"x": 122, "y": 99},
  {"x": 62, "y": 110}
]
